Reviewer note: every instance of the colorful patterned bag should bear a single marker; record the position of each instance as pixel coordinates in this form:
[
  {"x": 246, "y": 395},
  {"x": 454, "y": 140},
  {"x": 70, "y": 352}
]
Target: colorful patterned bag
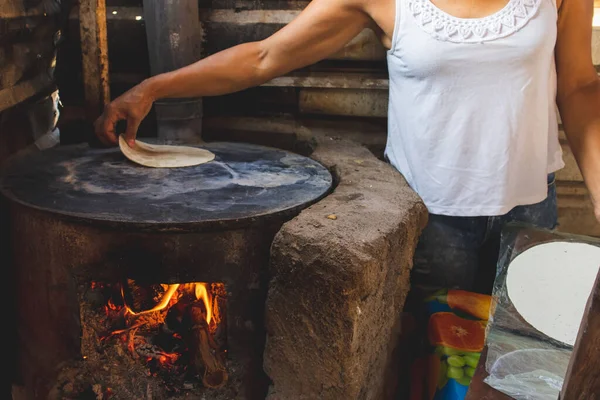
[{"x": 456, "y": 337}]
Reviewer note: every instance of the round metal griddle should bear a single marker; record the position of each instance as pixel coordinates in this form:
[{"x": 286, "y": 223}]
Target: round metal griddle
[{"x": 245, "y": 183}]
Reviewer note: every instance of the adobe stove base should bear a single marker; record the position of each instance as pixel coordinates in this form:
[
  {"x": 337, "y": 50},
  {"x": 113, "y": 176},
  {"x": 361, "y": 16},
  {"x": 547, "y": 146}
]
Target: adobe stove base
[
  {"x": 339, "y": 284},
  {"x": 338, "y": 276},
  {"x": 96, "y": 233}
]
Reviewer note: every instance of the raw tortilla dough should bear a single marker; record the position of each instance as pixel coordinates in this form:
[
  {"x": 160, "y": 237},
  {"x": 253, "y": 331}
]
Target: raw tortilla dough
[
  {"x": 549, "y": 285},
  {"x": 164, "y": 156}
]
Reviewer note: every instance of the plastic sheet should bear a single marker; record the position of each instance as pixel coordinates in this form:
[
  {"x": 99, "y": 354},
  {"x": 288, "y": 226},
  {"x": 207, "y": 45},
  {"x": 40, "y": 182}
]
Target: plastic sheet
[
  {"x": 43, "y": 118},
  {"x": 521, "y": 361}
]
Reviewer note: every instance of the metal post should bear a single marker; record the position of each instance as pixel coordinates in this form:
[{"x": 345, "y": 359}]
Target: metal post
[{"x": 174, "y": 37}]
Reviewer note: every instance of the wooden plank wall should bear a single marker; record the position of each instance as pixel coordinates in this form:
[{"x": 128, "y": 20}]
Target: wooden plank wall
[
  {"x": 26, "y": 50},
  {"x": 343, "y": 96}
]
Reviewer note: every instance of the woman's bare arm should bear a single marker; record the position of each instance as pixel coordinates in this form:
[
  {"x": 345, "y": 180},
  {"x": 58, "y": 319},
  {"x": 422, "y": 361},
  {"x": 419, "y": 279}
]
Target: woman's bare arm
[
  {"x": 579, "y": 90},
  {"x": 322, "y": 29}
]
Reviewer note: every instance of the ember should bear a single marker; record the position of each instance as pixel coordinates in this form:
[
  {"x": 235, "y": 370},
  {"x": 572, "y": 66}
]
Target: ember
[{"x": 177, "y": 330}]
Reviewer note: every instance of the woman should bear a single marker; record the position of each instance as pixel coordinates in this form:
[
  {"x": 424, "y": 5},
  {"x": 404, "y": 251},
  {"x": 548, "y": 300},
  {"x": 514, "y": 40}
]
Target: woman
[{"x": 474, "y": 86}]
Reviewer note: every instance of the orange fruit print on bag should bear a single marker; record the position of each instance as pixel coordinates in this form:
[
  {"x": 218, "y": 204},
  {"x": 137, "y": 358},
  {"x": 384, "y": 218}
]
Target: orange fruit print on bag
[{"x": 451, "y": 331}]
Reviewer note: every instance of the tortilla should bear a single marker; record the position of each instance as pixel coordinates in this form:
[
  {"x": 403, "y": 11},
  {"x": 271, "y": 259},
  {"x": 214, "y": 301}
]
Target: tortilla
[
  {"x": 164, "y": 156},
  {"x": 549, "y": 285}
]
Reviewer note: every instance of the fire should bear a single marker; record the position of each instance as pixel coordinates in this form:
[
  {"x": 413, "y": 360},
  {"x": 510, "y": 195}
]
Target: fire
[
  {"x": 176, "y": 291},
  {"x": 111, "y": 305},
  {"x": 169, "y": 327},
  {"x": 162, "y": 304},
  {"x": 202, "y": 294}
]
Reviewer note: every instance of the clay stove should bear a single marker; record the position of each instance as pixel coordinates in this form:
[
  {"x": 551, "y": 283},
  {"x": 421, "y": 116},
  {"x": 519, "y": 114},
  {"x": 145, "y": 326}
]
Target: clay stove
[{"x": 148, "y": 283}]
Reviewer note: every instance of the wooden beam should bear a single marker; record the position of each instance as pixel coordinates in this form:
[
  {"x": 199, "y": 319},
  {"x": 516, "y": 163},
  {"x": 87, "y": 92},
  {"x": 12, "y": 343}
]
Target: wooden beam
[
  {"x": 343, "y": 102},
  {"x": 367, "y": 132},
  {"x": 92, "y": 27},
  {"x": 16, "y": 9},
  {"x": 225, "y": 27},
  {"x": 323, "y": 80},
  {"x": 582, "y": 380},
  {"x": 22, "y": 91},
  {"x": 326, "y": 80}
]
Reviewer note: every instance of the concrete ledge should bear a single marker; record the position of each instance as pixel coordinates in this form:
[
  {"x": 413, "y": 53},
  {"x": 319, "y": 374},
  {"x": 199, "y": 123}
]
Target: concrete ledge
[{"x": 338, "y": 285}]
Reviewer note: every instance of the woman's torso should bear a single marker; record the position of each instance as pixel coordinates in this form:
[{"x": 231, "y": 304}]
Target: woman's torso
[{"x": 472, "y": 116}]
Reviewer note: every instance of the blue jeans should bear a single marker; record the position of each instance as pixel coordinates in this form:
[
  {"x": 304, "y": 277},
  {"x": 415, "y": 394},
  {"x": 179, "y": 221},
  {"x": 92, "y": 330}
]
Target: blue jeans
[{"x": 462, "y": 252}]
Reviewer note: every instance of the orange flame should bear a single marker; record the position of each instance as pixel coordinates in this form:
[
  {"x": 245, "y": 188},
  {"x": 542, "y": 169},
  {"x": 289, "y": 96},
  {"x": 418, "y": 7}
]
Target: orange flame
[
  {"x": 202, "y": 294},
  {"x": 111, "y": 305},
  {"x": 168, "y": 358},
  {"x": 186, "y": 297},
  {"x": 199, "y": 290},
  {"x": 164, "y": 301}
]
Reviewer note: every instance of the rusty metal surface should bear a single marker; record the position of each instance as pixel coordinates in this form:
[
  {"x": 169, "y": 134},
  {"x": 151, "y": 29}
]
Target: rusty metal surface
[{"x": 94, "y": 49}]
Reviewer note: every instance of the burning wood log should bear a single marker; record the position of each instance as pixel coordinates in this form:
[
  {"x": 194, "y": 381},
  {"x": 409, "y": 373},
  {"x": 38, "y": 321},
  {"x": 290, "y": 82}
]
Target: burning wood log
[
  {"x": 140, "y": 298},
  {"x": 203, "y": 348}
]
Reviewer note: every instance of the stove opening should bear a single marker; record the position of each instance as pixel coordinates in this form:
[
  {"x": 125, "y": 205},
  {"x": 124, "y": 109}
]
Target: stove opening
[{"x": 177, "y": 331}]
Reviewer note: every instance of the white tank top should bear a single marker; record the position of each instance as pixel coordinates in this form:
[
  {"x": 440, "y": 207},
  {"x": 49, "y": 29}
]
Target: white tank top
[{"x": 472, "y": 120}]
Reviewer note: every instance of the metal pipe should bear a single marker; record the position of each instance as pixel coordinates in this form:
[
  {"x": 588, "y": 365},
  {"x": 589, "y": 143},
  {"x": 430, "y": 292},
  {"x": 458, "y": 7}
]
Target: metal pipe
[{"x": 174, "y": 37}]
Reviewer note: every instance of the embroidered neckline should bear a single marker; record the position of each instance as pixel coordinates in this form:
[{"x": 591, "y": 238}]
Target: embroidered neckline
[{"x": 444, "y": 26}]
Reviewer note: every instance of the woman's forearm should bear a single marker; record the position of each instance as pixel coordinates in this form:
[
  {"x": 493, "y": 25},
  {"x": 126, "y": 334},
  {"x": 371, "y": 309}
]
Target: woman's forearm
[
  {"x": 228, "y": 71},
  {"x": 581, "y": 120}
]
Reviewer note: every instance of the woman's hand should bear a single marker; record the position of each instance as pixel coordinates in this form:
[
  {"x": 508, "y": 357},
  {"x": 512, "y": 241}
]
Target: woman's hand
[{"x": 132, "y": 106}]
